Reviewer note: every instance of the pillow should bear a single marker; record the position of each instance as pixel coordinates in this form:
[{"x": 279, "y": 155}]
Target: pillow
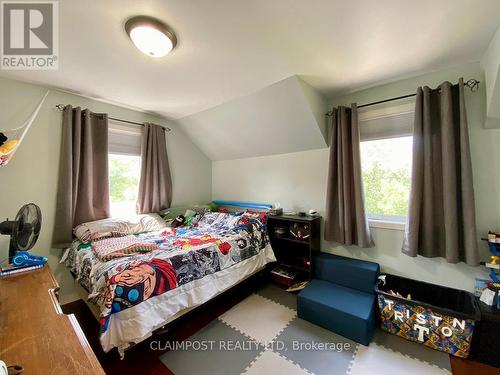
[{"x": 113, "y": 227}]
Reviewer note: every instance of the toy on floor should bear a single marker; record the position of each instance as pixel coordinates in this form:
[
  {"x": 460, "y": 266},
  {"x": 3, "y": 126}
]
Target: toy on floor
[
  {"x": 494, "y": 277},
  {"x": 298, "y": 286}
]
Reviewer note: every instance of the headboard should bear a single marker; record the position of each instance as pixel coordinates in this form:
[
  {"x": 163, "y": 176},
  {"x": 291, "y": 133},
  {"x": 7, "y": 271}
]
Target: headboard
[{"x": 239, "y": 205}]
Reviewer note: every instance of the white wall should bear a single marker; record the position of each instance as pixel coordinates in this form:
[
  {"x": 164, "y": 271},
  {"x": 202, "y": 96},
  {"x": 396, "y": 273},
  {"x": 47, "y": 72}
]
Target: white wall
[
  {"x": 31, "y": 176},
  {"x": 298, "y": 181}
]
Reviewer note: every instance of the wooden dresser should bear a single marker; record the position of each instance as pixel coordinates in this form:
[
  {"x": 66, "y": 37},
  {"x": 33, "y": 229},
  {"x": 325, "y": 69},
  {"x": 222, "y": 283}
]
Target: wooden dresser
[{"x": 34, "y": 332}]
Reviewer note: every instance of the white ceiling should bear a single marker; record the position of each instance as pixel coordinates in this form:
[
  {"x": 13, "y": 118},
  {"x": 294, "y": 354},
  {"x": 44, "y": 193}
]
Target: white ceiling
[{"x": 231, "y": 48}]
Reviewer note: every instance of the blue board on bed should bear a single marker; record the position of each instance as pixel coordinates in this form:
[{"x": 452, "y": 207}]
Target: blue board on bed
[{"x": 262, "y": 206}]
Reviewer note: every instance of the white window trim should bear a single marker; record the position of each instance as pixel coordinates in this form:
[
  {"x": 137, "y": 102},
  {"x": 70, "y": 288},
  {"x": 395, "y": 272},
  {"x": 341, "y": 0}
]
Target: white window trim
[{"x": 386, "y": 224}]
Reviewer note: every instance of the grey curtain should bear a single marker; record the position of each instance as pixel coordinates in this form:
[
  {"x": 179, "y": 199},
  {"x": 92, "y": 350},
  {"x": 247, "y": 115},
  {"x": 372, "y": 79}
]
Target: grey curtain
[
  {"x": 155, "y": 186},
  {"x": 345, "y": 220},
  {"x": 83, "y": 190},
  {"x": 441, "y": 219}
]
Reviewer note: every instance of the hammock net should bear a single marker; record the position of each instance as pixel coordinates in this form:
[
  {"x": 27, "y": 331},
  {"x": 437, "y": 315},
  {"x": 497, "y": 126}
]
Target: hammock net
[{"x": 11, "y": 139}]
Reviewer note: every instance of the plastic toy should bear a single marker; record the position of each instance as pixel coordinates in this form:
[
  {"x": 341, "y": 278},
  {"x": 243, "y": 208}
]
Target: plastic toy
[{"x": 25, "y": 259}]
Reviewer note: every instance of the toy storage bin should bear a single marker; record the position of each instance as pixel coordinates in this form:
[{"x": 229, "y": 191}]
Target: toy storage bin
[{"x": 438, "y": 317}]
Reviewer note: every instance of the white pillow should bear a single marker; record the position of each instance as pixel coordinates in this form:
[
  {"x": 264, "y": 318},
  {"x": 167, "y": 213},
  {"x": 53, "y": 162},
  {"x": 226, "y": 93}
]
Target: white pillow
[{"x": 95, "y": 230}]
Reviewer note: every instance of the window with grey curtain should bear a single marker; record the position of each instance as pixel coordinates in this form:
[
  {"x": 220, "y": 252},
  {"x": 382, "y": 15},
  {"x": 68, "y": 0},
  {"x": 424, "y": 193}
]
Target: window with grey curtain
[
  {"x": 155, "y": 185},
  {"x": 441, "y": 218},
  {"x": 345, "y": 220},
  {"x": 83, "y": 189}
]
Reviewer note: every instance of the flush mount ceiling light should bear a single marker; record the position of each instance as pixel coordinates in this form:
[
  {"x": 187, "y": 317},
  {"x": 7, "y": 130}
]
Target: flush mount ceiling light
[{"x": 151, "y": 36}]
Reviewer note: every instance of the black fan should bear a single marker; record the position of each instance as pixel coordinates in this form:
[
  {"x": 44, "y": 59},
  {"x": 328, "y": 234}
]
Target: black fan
[{"x": 24, "y": 230}]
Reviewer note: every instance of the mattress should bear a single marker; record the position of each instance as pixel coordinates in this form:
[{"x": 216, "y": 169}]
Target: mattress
[{"x": 138, "y": 293}]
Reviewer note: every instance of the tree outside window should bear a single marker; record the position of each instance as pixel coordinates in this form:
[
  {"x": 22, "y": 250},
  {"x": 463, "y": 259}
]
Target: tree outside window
[
  {"x": 124, "y": 174},
  {"x": 386, "y": 172}
]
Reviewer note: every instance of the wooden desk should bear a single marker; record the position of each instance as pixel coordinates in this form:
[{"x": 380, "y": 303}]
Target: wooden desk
[{"x": 34, "y": 332}]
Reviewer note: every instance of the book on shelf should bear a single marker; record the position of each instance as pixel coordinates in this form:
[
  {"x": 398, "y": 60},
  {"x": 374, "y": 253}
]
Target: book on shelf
[
  {"x": 11, "y": 269},
  {"x": 285, "y": 271}
]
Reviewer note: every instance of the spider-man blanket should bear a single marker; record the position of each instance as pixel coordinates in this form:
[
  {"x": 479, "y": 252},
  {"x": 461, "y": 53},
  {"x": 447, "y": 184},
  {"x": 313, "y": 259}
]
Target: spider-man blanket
[{"x": 181, "y": 256}]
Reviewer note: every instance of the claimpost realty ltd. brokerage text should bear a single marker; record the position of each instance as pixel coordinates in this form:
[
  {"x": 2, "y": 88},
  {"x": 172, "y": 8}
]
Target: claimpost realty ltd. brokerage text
[{"x": 249, "y": 345}]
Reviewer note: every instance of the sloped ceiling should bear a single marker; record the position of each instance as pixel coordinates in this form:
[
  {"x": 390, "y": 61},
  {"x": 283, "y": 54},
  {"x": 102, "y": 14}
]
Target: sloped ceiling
[
  {"x": 285, "y": 117},
  {"x": 227, "y": 48},
  {"x": 491, "y": 65}
]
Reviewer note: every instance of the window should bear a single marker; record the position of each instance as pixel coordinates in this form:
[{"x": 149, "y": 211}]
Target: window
[
  {"x": 386, "y": 170},
  {"x": 124, "y": 172},
  {"x": 386, "y": 156},
  {"x": 124, "y": 163}
]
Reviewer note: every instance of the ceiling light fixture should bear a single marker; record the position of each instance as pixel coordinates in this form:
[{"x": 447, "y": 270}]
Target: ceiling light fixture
[{"x": 151, "y": 36}]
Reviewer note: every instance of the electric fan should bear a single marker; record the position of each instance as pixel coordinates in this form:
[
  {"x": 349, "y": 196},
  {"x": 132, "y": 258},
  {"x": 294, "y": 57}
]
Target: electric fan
[{"x": 23, "y": 232}]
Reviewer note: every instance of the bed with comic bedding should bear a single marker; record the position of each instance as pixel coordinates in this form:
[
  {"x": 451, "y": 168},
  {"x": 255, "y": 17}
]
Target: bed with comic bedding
[{"x": 142, "y": 275}]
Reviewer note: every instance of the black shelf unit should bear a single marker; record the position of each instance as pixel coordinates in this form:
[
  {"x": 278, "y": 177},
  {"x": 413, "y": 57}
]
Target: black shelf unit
[
  {"x": 291, "y": 251},
  {"x": 486, "y": 338}
]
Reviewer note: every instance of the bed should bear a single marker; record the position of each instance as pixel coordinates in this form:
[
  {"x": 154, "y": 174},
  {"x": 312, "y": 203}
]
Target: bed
[{"x": 141, "y": 277}]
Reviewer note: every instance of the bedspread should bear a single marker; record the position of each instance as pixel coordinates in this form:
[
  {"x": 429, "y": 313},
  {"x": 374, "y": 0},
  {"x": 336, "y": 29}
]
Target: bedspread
[{"x": 180, "y": 256}]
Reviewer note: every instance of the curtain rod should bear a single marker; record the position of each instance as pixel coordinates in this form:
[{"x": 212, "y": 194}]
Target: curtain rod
[
  {"x": 167, "y": 129},
  {"x": 472, "y": 84}
]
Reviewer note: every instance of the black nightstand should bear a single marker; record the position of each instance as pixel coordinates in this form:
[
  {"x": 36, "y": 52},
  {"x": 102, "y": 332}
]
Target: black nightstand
[{"x": 292, "y": 250}]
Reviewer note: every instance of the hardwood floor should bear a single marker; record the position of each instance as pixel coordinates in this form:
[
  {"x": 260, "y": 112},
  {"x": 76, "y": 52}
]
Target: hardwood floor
[
  {"x": 461, "y": 366},
  {"x": 142, "y": 360}
]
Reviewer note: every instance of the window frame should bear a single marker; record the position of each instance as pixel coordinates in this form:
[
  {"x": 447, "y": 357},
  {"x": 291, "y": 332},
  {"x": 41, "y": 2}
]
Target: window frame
[
  {"x": 386, "y": 224},
  {"x": 126, "y": 134},
  {"x": 379, "y": 113}
]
